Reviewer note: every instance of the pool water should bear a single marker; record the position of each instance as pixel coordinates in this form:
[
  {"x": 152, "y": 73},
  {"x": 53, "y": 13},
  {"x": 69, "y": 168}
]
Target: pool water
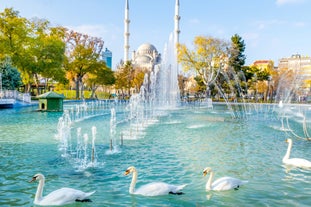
[{"x": 174, "y": 149}]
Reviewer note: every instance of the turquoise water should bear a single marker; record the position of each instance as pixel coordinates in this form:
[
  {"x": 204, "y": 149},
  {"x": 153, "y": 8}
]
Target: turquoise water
[{"x": 174, "y": 149}]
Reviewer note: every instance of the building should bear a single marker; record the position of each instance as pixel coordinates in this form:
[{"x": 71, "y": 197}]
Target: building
[
  {"x": 146, "y": 56},
  {"x": 107, "y": 57},
  {"x": 299, "y": 64},
  {"x": 51, "y": 101},
  {"x": 301, "y": 68},
  {"x": 264, "y": 65}
]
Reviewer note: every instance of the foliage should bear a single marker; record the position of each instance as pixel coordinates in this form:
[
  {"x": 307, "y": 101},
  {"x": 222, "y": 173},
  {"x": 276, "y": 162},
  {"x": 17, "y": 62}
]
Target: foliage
[
  {"x": 124, "y": 77},
  {"x": 207, "y": 57},
  {"x": 237, "y": 58},
  {"x": 36, "y": 49},
  {"x": 101, "y": 75},
  {"x": 83, "y": 52},
  {"x": 13, "y": 33},
  {"x": 10, "y": 76}
]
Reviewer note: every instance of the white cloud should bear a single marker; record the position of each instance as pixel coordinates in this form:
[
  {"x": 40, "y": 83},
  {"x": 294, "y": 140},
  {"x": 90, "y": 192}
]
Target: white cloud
[
  {"x": 252, "y": 39},
  {"x": 92, "y": 30},
  {"x": 262, "y": 25},
  {"x": 282, "y": 2},
  {"x": 300, "y": 24},
  {"x": 194, "y": 21}
]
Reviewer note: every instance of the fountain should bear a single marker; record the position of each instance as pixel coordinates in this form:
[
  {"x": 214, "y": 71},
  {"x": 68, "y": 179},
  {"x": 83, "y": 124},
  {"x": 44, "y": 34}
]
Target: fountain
[{"x": 165, "y": 140}]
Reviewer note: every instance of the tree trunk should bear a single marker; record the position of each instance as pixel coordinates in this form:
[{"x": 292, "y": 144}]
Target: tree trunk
[
  {"x": 77, "y": 88},
  {"x": 93, "y": 89}
]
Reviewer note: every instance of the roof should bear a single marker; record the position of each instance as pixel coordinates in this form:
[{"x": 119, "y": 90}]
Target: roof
[
  {"x": 51, "y": 94},
  {"x": 146, "y": 48}
]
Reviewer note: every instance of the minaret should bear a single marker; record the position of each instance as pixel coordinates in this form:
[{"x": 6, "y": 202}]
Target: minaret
[
  {"x": 126, "y": 32},
  {"x": 176, "y": 29}
]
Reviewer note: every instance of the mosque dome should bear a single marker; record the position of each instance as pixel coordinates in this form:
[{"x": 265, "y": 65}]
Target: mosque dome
[
  {"x": 146, "y": 56},
  {"x": 143, "y": 59},
  {"x": 146, "y": 49}
]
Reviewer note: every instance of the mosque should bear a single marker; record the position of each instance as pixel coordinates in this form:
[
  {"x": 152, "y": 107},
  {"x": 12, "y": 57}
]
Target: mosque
[{"x": 146, "y": 56}]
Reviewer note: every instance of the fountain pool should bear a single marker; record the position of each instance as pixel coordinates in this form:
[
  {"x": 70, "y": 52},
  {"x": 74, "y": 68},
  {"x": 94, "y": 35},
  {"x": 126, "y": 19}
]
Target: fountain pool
[{"x": 174, "y": 148}]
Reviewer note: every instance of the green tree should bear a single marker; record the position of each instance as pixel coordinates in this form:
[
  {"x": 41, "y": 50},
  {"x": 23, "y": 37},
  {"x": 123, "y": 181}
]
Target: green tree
[
  {"x": 14, "y": 38},
  {"x": 237, "y": 58},
  {"x": 36, "y": 49},
  {"x": 10, "y": 76},
  {"x": 14, "y": 32},
  {"x": 47, "y": 50},
  {"x": 83, "y": 53},
  {"x": 102, "y": 75}
]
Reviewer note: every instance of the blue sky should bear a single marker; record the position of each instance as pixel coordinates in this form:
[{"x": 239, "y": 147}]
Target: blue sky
[{"x": 271, "y": 29}]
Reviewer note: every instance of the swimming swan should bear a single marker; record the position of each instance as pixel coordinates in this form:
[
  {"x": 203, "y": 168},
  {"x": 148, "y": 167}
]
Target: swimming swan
[
  {"x": 296, "y": 162},
  {"x": 152, "y": 189},
  {"x": 61, "y": 196},
  {"x": 224, "y": 183}
]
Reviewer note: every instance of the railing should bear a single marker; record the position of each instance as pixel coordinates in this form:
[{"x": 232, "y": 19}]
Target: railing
[{"x": 13, "y": 94}]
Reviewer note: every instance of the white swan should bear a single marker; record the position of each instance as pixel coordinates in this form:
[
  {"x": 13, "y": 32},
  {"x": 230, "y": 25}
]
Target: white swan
[
  {"x": 58, "y": 197},
  {"x": 295, "y": 162},
  {"x": 224, "y": 183},
  {"x": 152, "y": 189}
]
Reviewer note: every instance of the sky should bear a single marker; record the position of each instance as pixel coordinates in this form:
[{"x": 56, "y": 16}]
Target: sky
[{"x": 271, "y": 29}]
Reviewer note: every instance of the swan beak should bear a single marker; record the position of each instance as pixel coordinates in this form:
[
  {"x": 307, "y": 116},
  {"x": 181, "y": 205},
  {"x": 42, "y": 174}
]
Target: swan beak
[
  {"x": 204, "y": 173},
  {"x": 286, "y": 140},
  {"x": 127, "y": 172},
  {"x": 33, "y": 179}
]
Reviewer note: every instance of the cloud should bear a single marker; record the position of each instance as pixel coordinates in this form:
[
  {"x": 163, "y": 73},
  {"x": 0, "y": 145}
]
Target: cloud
[
  {"x": 92, "y": 30},
  {"x": 300, "y": 24},
  {"x": 194, "y": 21},
  {"x": 283, "y": 2},
  {"x": 252, "y": 39},
  {"x": 262, "y": 25}
]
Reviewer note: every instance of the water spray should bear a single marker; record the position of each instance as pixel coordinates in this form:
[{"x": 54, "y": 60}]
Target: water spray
[{"x": 93, "y": 143}]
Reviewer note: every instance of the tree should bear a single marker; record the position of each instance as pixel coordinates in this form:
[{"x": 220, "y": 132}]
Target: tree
[
  {"x": 83, "y": 54},
  {"x": 124, "y": 77},
  {"x": 138, "y": 78},
  {"x": 102, "y": 75},
  {"x": 46, "y": 51},
  {"x": 36, "y": 49},
  {"x": 237, "y": 58},
  {"x": 208, "y": 59},
  {"x": 14, "y": 38},
  {"x": 14, "y": 32},
  {"x": 11, "y": 79}
]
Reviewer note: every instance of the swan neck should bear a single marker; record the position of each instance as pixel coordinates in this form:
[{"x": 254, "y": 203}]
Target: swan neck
[
  {"x": 133, "y": 183},
  {"x": 209, "y": 182},
  {"x": 38, "y": 196},
  {"x": 286, "y": 157}
]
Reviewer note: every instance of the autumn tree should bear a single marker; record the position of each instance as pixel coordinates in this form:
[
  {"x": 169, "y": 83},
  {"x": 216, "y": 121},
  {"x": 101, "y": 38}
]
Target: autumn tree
[
  {"x": 208, "y": 58},
  {"x": 83, "y": 57},
  {"x": 138, "y": 78},
  {"x": 124, "y": 77}
]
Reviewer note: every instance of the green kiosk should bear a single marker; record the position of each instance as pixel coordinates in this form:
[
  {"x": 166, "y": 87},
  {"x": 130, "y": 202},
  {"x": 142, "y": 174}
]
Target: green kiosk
[{"x": 51, "y": 101}]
